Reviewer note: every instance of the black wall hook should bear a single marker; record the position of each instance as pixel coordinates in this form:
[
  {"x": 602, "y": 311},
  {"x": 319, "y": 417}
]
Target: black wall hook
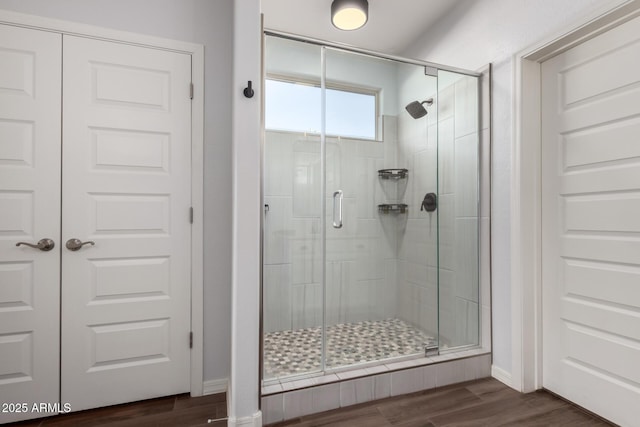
[{"x": 248, "y": 92}]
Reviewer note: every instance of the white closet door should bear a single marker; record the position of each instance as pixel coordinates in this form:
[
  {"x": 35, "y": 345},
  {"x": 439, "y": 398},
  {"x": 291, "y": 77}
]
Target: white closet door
[
  {"x": 126, "y": 187},
  {"x": 30, "y": 79},
  {"x": 591, "y": 224}
]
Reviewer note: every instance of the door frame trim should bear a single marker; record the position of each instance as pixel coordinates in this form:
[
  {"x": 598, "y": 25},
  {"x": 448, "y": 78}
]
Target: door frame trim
[
  {"x": 197, "y": 154},
  {"x": 526, "y": 205}
]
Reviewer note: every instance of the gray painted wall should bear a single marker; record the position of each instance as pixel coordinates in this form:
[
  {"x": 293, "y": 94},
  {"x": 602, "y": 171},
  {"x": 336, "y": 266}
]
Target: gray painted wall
[{"x": 209, "y": 23}]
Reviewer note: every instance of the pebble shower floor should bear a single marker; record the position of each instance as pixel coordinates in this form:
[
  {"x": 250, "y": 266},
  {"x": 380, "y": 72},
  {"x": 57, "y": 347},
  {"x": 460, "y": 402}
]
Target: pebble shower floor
[{"x": 299, "y": 351}]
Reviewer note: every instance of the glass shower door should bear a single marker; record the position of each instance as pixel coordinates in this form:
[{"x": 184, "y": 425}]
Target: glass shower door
[
  {"x": 381, "y": 281},
  {"x": 292, "y": 280},
  {"x": 370, "y": 210}
]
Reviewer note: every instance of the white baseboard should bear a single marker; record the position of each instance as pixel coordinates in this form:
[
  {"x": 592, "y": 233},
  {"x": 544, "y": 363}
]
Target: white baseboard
[
  {"x": 215, "y": 386},
  {"x": 253, "y": 421},
  {"x": 502, "y": 376}
]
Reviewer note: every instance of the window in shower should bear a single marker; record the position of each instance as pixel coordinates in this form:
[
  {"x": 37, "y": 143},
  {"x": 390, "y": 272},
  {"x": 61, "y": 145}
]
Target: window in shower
[{"x": 294, "y": 105}]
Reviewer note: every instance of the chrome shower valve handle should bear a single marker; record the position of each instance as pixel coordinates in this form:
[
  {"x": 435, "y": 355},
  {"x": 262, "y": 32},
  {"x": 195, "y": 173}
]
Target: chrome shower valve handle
[
  {"x": 44, "y": 245},
  {"x": 75, "y": 244}
]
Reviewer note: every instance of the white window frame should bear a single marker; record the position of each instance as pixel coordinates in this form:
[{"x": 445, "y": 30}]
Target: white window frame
[{"x": 335, "y": 86}]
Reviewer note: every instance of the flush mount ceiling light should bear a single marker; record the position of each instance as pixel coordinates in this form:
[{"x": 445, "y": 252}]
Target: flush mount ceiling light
[{"x": 349, "y": 14}]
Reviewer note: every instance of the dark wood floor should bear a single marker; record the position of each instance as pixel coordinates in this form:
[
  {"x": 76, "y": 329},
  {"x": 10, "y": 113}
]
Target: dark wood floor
[
  {"x": 172, "y": 411},
  {"x": 479, "y": 403}
]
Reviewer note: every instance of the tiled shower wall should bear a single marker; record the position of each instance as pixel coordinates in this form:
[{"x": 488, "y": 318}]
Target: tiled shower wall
[
  {"x": 361, "y": 256},
  {"x": 418, "y": 243},
  {"x": 443, "y": 146},
  {"x": 458, "y": 175}
]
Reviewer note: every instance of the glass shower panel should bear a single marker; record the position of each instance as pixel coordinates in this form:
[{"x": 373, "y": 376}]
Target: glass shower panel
[
  {"x": 459, "y": 213},
  {"x": 292, "y": 288},
  {"x": 380, "y": 282}
]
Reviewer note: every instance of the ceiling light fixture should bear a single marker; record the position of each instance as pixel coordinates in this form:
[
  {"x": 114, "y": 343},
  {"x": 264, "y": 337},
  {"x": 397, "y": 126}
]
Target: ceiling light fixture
[{"x": 349, "y": 14}]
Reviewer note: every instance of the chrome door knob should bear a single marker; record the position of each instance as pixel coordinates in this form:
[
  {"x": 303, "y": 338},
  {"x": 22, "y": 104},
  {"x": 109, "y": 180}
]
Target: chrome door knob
[
  {"x": 43, "y": 244},
  {"x": 76, "y": 244}
]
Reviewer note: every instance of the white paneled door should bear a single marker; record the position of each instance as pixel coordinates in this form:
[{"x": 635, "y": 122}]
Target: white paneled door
[
  {"x": 30, "y": 89},
  {"x": 104, "y": 317},
  {"x": 126, "y": 196},
  {"x": 591, "y": 224}
]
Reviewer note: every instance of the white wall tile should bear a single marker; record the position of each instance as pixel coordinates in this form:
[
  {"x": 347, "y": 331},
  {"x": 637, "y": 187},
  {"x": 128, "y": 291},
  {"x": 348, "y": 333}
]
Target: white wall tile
[
  {"x": 360, "y": 299},
  {"x": 382, "y": 386},
  {"x": 366, "y": 148},
  {"x": 485, "y": 339},
  {"x": 407, "y": 381},
  {"x": 273, "y": 408},
  {"x": 334, "y": 161},
  {"x": 485, "y": 99},
  {"x": 446, "y": 218},
  {"x": 485, "y": 261},
  {"x": 450, "y": 373},
  {"x": 428, "y": 317},
  {"x": 364, "y": 389},
  {"x": 461, "y": 315},
  {"x": 306, "y": 260},
  {"x": 471, "y": 368},
  {"x": 369, "y": 259},
  {"x": 335, "y": 292},
  {"x": 390, "y": 140},
  {"x": 484, "y": 366},
  {"x": 306, "y": 184},
  {"x": 366, "y": 182},
  {"x": 485, "y": 173},
  {"x": 447, "y": 307},
  {"x": 466, "y": 105},
  {"x": 446, "y": 156},
  {"x": 466, "y": 258},
  {"x": 466, "y": 175},
  {"x": 348, "y": 280},
  {"x": 424, "y": 176},
  {"x": 347, "y": 393},
  {"x": 277, "y": 297},
  {"x": 473, "y": 323},
  {"x": 298, "y": 403},
  {"x": 429, "y": 374},
  {"x": 278, "y": 164},
  {"x": 347, "y": 152},
  {"x": 446, "y": 102},
  {"x": 356, "y": 391},
  {"x": 326, "y": 397},
  {"x": 388, "y": 288},
  {"x": 277, "y": 230},
  {"x": 306, "y": 305}
]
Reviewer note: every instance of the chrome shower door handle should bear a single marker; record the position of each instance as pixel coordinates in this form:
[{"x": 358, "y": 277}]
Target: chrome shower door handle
[
  {"x": 76, "y": 244},
  {"x": 337, "y": 195},
  {"x": 43, "y": 244}
]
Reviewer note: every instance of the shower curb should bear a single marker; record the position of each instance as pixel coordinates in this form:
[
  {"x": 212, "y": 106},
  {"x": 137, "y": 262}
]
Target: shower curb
[{"x": 333, "y": 391}]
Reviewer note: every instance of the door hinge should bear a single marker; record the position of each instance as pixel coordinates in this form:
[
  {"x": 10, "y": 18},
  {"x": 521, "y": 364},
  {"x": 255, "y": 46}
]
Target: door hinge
[
  {"x": 191, "y": 215},
  {"x": 191, "y": 90},
  {"x": 190, "y": 339}
]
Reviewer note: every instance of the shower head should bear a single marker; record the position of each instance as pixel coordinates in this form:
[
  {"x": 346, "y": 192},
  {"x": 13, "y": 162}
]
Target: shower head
[{"x": 416, "y": 109}]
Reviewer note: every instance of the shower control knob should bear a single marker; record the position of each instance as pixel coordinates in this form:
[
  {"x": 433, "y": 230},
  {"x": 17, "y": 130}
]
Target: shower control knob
[{"x": 429, "y": 203}]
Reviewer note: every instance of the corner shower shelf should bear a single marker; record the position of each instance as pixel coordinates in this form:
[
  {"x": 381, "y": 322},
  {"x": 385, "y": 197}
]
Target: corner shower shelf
[
  {"x": 395, "y": 207},
  {"x": 393, "y": 173}
]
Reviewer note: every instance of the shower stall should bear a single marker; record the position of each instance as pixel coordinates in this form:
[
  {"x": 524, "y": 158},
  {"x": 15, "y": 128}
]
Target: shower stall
[{"x": 370, "y": 194}]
